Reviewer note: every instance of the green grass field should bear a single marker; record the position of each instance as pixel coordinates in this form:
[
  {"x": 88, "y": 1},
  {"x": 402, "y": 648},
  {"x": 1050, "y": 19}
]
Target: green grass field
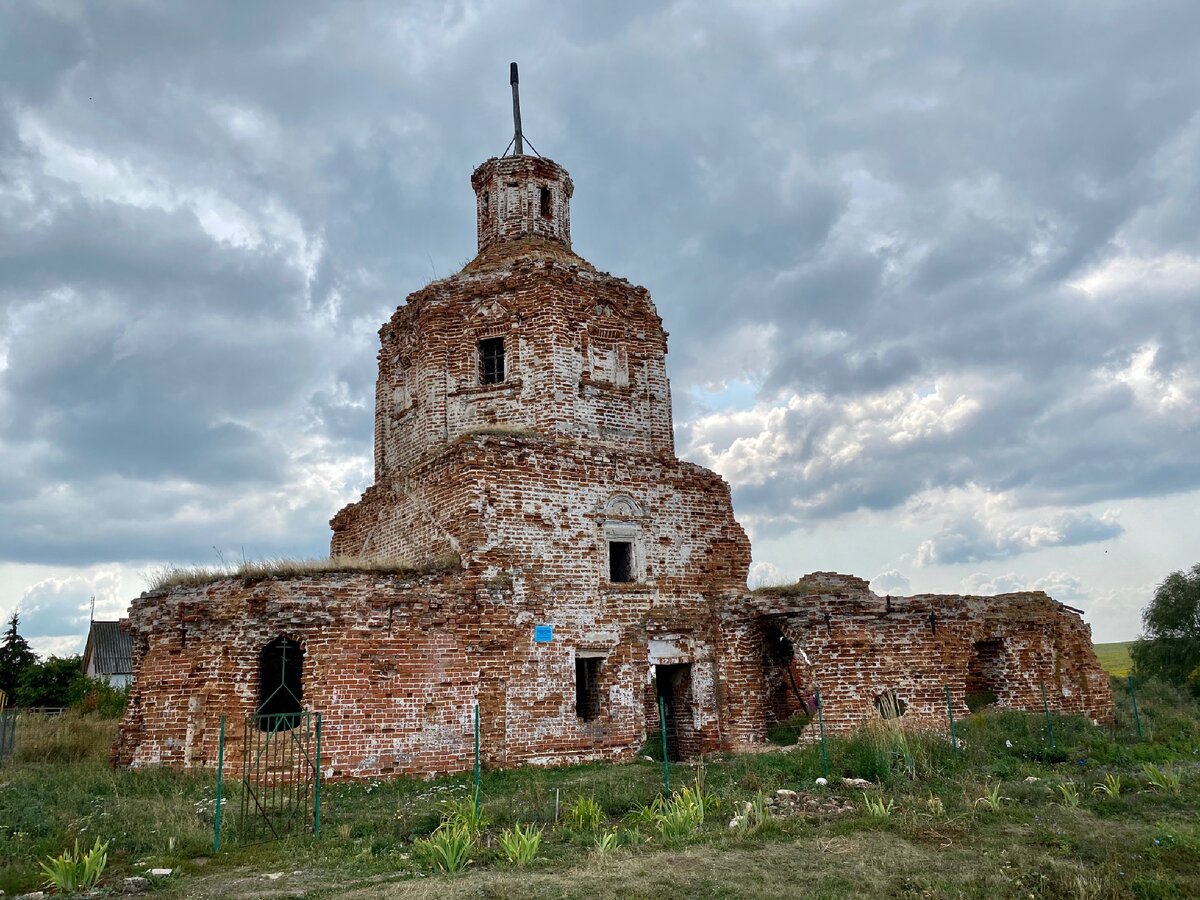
[
  {"x": 1114, "y": 658},
  {"x": 1010, "y": 813}
]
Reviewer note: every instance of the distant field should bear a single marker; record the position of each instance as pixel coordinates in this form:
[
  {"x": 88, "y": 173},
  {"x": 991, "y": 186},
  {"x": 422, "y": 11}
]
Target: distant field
[{"x": 1114, "y": 658}]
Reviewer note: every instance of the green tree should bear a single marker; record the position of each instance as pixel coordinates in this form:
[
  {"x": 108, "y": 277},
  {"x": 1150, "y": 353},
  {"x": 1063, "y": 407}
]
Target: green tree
[
  {"x": 15, "y": 658},
  {"x": 1170, "y": 647},
  {"x": 59, "y": 681}
]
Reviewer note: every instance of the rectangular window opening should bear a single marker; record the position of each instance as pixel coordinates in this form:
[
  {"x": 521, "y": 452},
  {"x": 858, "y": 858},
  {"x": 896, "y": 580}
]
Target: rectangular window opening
[
  {"x": 587, "y": 687},
  {"x": 547, "y": 210},
  {"x": 491, "y": 360},
  {"x": 620, "y": 561}
]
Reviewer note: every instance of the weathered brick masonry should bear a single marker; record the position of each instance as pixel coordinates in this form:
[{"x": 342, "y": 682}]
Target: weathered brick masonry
[{"x": 523, "y": 427}]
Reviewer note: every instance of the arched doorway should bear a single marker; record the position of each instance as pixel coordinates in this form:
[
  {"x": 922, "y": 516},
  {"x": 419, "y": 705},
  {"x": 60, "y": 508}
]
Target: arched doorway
[{"x": 280, "y": 685}]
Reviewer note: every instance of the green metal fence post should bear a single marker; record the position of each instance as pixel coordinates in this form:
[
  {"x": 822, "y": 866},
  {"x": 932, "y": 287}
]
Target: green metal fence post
[
  {"x": 317, "y": 783},
  {"x": 950, "y": 713},
  {"x": 1137, "y": 719},
  {"x": 662, "y": 727},
  {"x": 477, "y": 759},
  {"x": 220, "y": 774},
  {"x": 1046, "y": 708},
  {"x": 821, "y": 724}
]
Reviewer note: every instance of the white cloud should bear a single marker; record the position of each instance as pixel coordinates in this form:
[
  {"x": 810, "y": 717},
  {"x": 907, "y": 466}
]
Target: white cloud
[
  {"x": 764, "y": 573},
  {"x": 893, "y": 581}
]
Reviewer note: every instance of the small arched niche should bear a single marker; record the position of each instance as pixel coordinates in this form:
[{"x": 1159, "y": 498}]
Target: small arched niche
[{"x": 280, "y": 685}]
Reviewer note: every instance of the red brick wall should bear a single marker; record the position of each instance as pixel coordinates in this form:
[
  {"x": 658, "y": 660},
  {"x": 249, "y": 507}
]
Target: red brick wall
[{"x": 863, "y": 649}]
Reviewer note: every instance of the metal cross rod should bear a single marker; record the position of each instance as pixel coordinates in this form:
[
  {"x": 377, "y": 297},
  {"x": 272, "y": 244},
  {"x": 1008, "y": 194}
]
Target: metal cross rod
[{"x": 518, "y": 140}]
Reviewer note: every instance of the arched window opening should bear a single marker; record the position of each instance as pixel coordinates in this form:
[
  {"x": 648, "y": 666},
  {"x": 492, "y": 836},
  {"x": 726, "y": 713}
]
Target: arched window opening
[
  {"x": 890, "y": 705},
  {"x": 280, "y": 688}
]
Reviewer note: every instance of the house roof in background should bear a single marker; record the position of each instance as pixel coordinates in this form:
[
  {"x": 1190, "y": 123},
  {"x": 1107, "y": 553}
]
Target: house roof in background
[{"x": 112, "y": 648}]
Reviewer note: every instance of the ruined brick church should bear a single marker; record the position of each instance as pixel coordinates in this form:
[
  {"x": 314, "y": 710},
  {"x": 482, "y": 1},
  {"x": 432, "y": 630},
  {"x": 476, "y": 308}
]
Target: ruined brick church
[{"x": 523, "y": 433}]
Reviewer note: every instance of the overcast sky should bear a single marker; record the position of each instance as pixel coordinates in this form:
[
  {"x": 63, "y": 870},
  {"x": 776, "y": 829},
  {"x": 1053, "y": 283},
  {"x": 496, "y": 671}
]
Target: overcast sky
[{"x": 930, "y": 269}]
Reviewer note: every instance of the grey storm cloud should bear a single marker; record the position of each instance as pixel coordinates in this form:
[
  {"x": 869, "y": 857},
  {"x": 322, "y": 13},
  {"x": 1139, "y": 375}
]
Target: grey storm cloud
[
  {"x": 970, "y": 540},
  {"x": 949, "y": 245}
]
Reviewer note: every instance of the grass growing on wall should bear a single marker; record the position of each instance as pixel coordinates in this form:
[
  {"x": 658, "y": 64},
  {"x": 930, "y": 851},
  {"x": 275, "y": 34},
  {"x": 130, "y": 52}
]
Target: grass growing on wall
[
  {"x": 1007, "y": 815},
  {"x": 260, "y": 570}
]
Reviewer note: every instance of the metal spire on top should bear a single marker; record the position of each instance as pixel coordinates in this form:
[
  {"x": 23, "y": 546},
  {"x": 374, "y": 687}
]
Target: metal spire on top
[{"x": 518, "y": 138}]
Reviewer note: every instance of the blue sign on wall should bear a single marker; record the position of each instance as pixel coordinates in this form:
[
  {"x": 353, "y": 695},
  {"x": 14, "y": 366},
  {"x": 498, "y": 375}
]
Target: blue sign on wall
[{"x": 543, "y": 634}]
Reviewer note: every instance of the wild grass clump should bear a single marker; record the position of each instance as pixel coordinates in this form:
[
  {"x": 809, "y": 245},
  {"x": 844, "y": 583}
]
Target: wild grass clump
[
  {"x": 519, "y": 846},
  {"x": 992, "y": 799},
  {"x": 878, "y": 807},
  {"x": 466, "y": 813},
  {"x": 1068, "y": 791},
  {"x": 68, "y": 738},
  {"x": 253, "y": 571},
  {"x": 679, "y": 817},
  {"x": 448, "y": 849},
  {"x": 787, "y": 733},
  {"x": 501, "y": 430},
  {"x": 607, "y": 842},
  {"x": 883, "y": 751},
  {"x": 1161, "y": 779},
  {"x": 76, "y": 870},
  {"x": 754, "y": 815},
  {"x": 585, "y": 814},
  {"x": 1109, "y": 787},
  {"x": 795, "y": 589}
]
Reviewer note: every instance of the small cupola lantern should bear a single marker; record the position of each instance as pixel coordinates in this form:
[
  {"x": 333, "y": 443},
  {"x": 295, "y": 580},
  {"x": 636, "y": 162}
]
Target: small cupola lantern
[{"x": 521, "y": 196}]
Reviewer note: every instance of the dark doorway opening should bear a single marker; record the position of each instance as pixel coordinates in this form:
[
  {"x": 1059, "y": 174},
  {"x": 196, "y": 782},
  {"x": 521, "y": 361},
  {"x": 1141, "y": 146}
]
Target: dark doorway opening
[
  {"x": 673, "y": 684},
  {"x": 587, "y": 687},
  {"x": 280, "y": 685},
  {"x": 985, "y": 673}
]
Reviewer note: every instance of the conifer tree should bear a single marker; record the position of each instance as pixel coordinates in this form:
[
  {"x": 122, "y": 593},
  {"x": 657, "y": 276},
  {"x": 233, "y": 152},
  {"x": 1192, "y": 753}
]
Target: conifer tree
[{"x": 15, "y": 657}]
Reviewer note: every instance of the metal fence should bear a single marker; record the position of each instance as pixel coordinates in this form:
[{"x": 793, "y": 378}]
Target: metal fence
[{"x": 279, "y": 792}]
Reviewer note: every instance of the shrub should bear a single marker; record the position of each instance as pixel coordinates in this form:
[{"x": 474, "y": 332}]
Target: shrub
[{"x": 102, "y": 699}]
